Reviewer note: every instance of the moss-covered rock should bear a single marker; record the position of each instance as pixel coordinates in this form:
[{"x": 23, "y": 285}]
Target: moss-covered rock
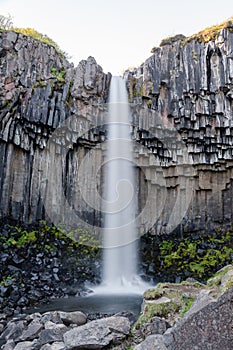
[{"x": 172, "y": 301}]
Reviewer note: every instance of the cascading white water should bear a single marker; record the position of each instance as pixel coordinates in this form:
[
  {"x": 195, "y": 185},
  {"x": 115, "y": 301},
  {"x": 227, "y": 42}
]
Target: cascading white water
[{"x": 120, "y": 199}]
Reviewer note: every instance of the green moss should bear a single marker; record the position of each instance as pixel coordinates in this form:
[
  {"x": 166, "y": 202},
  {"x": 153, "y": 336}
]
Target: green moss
[
  {"x": 172, "y": 39},
  {"x": 30, "y": 32},
  {"x": 210, "y": 33},
  {"x": 187, "y": 256},
  {"x": 160, "y": 310},
  {"x": 7, "y": 281},
  {"x": 154, "y": 293},
  {"x": 40, "y": 84},
  {"x": 216, "y": 279},
  {"x": 187, "y": 303},
  {"x": 58, "y": 74},
  {"x": 149, "y": 103}
]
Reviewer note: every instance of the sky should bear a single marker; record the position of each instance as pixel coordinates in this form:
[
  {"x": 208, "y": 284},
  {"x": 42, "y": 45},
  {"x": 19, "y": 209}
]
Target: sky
[{"x": 118, "y": 33}]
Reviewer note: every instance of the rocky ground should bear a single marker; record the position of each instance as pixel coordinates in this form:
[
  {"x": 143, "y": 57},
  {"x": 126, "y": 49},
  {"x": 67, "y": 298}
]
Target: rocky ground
[
  {"x": 182, "y": 316},
  {"x": 42, "y": 263}
]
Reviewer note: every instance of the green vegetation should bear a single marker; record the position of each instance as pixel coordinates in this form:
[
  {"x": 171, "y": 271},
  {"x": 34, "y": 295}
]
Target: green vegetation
[
  {"x": 6, "y": 24},
  {"x": 78, "y": 246},
  {"x": 58, "y": 74},
  {"x": 197, "y": 257},
  {"x": 7, "y": 281},
  {"x": 161, "y": 310},
  {"x": 208, "y": 34},
  {"x": 173, "y": 300},
  {"x": 215, "y": 281},
  {"x": 211, "y": 33},
  {"x": 172, "y": 39},
  {"x": 30, "y": 32},
  {"x": 44, "y": 235},
  {"x": 188, "y": 302}
]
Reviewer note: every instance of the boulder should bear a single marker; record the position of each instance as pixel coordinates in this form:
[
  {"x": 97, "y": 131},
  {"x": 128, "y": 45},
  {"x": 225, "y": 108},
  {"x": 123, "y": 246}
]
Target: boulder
[
  {"x": 76, "y": 317},
  {"x": 26, "y": 345},
  {"x": 32, "y": 331},
  {"x": 13, "y": 330},
  {"x": 156, "y": 325},
  {"x": 48, "y": 336},
  {"x": 10, "y": 344},
  {"x": 152, "y": 342},
  {"x": 97, "y": 334},
  {"x": 54, "y": 346},
  {"x": 209, "y": 327}
]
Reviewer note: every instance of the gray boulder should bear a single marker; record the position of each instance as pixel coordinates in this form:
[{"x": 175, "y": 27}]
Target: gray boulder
[
  {"x": 209, "y": 327},
  {"x": 10, "y": 344},
  {"x": 152, "y": 342},
  {"x": 97, "y": 334},
  {"x": 32, "y": 331},
  {"x": 76, "y": 317},
  {"x": 54, "y": 346},
  {"x": 26, "y": 345},
  {"x": 156, "y": 326},
  {"x": 13, "y": 330},
  {"x": 48, "y": 336}
]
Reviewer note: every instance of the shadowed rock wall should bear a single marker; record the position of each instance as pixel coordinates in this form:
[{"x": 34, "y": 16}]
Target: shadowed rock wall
[
  {"x": 182, "y": 130},
  {"x": 183, "y": 122},
  {"x": 39, "y": 92}
]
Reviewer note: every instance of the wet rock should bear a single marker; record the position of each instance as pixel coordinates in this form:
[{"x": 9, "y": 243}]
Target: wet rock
[
  {"x": 97, "y": 334},
  {"x": 76, "y": 317}
]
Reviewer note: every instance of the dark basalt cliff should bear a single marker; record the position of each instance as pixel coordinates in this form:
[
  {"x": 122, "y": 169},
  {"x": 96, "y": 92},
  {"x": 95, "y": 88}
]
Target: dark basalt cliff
[
  {"x": 40, "y": 91},
  {"x": 184, "y": 119},
  {"x": 182, "y": 130}
]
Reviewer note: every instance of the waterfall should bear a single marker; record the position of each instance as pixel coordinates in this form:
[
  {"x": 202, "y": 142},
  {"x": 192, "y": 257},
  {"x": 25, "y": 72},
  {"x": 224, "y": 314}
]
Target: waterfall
[{"x": 120, "y": 256}]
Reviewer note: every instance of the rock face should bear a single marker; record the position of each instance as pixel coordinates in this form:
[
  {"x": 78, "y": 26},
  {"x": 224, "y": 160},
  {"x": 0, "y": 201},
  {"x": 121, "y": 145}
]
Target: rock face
[
  {"x": 206, "y": 324},
  {"x": 40, "y": 90},
  {"x": 216, "y": 332},
  {"x": 52, "y": 131},
  {"x": 183, "y": 124}
]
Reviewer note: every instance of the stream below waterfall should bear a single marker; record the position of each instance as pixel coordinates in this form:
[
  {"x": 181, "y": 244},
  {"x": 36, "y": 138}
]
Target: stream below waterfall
[{"x": 94, "y": 305}]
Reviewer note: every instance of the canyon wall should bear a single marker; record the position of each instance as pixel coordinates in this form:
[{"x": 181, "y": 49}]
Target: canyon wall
[
  {"x": 53, "y": 128},
  {"x": 40, "y": 93},
  {"x": 183, "y": 126}
]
